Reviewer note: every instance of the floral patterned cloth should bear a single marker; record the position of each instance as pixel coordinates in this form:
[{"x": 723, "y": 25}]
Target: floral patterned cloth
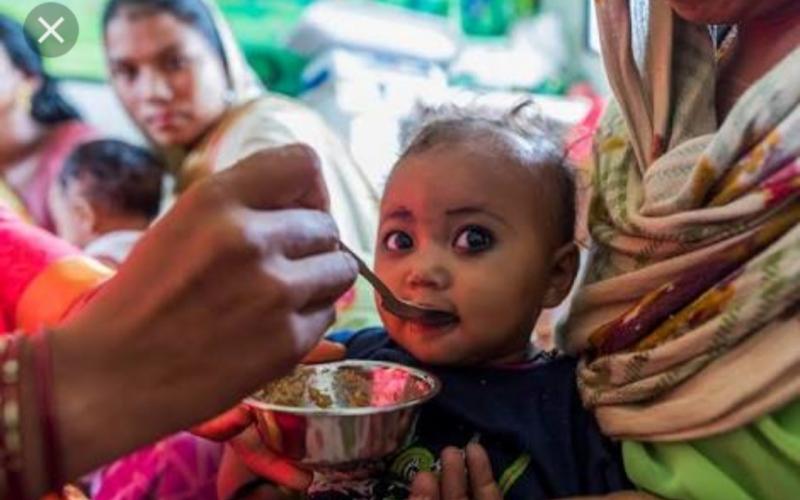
[{"x": 694, "y": 278}]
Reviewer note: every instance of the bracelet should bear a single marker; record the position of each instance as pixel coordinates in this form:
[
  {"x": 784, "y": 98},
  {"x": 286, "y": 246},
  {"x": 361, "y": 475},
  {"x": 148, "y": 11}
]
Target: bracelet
[
  {"x": 44, "y": 398},
  {"x": 10, "y": 431}
]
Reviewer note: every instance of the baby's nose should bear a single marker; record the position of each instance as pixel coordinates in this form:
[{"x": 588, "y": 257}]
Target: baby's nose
[{"x": 429, "y": 276}]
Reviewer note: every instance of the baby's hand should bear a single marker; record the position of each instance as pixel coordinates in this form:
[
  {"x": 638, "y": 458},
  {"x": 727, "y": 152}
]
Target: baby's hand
[{"x": 459, "y": 481}]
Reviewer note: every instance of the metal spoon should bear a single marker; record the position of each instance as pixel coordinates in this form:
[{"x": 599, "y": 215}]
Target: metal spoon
[{"x": 398, "y": 307}]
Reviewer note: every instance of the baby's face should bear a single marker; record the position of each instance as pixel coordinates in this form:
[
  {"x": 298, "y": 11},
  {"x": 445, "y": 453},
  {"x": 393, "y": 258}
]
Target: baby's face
[{"x": 461, "y": 233}]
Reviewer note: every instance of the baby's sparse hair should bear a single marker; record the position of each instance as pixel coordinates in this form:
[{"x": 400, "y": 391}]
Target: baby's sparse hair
[
  {"x": 124, "y": 178},
  {"x": 521, "y": 133}
]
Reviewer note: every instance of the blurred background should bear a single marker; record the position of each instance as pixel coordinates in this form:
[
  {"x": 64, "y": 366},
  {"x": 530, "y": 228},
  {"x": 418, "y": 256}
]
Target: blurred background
[{"x": 367, "y": 64}]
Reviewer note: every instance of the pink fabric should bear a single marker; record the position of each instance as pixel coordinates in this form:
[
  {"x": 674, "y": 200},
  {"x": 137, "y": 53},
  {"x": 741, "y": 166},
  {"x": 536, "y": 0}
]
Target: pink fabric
[
  {"x": 25, "y": 251},
  {"x": 58, "y": 147},
  {"x": 179, "y": 467}
]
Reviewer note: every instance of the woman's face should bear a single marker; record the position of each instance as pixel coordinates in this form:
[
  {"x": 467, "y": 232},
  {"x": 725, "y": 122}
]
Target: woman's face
[
  {"x": 726, "y": 11},
  {"x": 12, "y": 83},
  {"x": 168, "y": 77}
]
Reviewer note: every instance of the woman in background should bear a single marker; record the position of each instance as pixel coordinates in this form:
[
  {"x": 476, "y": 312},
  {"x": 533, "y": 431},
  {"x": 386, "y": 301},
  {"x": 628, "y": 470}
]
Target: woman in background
[
  {"x": 38, "y": 128},
  {"x": 183, "y": 80}
]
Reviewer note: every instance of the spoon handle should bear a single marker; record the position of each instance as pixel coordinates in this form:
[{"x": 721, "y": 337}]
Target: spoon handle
[{"x": 367, "y": 273}]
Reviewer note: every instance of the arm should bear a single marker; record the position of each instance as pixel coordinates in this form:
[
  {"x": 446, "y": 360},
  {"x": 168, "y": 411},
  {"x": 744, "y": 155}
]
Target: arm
[{"x": 227, "y": 283}]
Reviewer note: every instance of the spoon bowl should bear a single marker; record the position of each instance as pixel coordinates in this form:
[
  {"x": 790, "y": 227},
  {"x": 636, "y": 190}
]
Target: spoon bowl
[{"x": 396, "y": 306}]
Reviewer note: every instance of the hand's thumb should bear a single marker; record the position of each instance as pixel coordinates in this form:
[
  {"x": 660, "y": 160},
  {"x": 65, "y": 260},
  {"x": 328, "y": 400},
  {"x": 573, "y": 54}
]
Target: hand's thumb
[
  {"x": 325, "y": 352},
  {"x": 225, "y": 426}
]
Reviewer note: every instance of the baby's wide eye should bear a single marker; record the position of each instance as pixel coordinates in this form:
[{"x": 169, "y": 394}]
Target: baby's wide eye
[
  {"x": 474, "y": 239},
  {"x": 398, "y": 241}
]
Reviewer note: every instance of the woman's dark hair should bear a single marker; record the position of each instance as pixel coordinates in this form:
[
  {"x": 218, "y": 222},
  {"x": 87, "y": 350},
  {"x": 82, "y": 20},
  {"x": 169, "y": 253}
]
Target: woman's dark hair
[
  {"x": 192, "y": 12},
  {"x": 48, "y": 106}
]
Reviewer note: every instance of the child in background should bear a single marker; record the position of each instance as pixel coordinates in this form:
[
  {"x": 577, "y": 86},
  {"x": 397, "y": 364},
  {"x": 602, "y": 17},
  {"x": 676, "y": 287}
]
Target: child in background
[
  {"x": 478, "y": 220},
  {"x": 107, "y": 194}
]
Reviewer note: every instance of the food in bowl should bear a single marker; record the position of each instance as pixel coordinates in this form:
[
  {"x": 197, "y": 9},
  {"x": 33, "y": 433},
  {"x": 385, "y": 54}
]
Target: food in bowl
[
  {"x": 341, "y": 416},
  {"x": 344, "y": 387}
]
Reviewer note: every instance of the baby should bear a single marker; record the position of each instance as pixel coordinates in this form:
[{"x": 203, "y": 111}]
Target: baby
[
  {"x": 477, "y": 219},
  {"x": 107, "y": 194}
]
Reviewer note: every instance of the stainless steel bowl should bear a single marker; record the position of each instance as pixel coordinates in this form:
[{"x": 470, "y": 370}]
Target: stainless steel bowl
[{"x": 341, "y": 436}]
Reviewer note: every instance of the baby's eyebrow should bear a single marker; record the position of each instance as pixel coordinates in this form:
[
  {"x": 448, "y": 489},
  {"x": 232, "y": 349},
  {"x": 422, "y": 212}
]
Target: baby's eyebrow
[
  {"x": 399, "y": 213},
  {"x": 472, "y": 210}
]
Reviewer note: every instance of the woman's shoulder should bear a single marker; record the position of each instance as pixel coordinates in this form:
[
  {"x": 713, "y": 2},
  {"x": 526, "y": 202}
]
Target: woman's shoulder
[
  {"x": 268, "y": 121},
  {"x": 279, "y": 108},
  {"x": 63, "y": 138},
  {"x": 280, "y": 102},
  {"x": 72, "y": 132}
]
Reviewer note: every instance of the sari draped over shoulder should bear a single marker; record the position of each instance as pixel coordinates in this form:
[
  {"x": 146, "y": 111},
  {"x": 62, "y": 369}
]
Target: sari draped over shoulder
[{"x": 688, "y": 318}]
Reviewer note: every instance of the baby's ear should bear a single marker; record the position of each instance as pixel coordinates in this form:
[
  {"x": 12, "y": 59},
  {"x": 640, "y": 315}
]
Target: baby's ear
[{"x": 563, "y": 270}]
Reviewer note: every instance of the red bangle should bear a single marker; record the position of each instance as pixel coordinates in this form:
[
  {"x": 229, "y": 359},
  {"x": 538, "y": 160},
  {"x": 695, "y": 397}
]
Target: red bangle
[
  {"x": 44, "y": 397},
  {"x": 11, "y": 447}
]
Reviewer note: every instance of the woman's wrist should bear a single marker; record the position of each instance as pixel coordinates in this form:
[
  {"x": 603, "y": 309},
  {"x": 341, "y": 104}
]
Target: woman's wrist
[
  {"x": 110, "y": 390},
  {"x": 56, "y": 416},
  {"x": 88, "y": 406},
  {"x": 33, "y": 468}
]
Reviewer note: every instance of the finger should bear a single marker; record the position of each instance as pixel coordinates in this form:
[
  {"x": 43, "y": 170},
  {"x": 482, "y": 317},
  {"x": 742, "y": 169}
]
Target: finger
[
  {"x": 262, "y": 461},
  {"x": 319, "y": 280},
  {"x": 325, "y": 352},
  {"x": 481, "y": 477},
  {"x": 454, "y": 474},
  {"x": 295, "y": 233},
  {"x": 310, "y": 326},
  {"x": 425, "y": 487},
  {"x": 225, "y": 426},
  {"x": 272, "y": 178}
]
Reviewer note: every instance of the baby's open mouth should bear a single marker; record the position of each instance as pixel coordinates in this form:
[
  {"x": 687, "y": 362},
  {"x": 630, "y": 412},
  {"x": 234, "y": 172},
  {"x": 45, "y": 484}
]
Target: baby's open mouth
[
  {"x": 426, "y": 315},
  {"x": 435, "y": 317},
  {"x": 439, "y": 319}
]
